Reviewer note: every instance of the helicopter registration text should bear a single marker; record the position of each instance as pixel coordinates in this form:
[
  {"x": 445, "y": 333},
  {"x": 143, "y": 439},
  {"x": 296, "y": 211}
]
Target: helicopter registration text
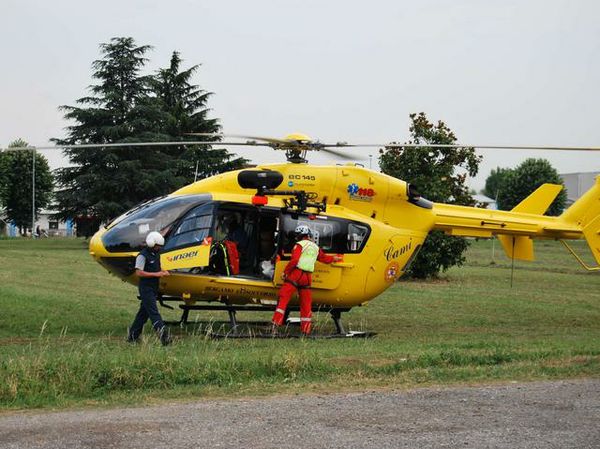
[{"x": 295, "y": 180}]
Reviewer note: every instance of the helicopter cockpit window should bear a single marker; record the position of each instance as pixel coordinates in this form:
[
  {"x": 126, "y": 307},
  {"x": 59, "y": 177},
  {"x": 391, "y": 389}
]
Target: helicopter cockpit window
[
  {"x": 333, "y": 235},
  {"x": 193, "y": 228},
  {"x": 129, "y": 234}
]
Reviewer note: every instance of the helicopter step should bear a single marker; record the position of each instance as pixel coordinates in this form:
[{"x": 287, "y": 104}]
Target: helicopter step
[{"x": 261, "y": 329}]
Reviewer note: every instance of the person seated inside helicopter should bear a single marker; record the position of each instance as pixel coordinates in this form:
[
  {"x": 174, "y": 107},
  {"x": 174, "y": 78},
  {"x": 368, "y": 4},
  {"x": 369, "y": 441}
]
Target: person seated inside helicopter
[
  {"x": 230, "y": 246},
  {"x": 267, "y": 250},
  {"x": 236, "y": 233}
]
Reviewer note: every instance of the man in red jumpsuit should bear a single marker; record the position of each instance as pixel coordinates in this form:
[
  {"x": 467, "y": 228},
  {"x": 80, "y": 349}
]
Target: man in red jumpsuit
[{"x": 297, "y": 276}]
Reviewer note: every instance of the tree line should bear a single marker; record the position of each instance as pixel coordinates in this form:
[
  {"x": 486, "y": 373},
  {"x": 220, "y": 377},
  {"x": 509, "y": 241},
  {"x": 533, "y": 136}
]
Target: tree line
[{"x": 126, "y": 105}]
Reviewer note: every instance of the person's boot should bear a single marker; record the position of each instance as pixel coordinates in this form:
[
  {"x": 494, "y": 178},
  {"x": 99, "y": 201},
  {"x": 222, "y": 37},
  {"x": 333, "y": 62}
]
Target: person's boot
[
  {"x": 131, "y": 338},
  {"x": 165, "y": 336}
]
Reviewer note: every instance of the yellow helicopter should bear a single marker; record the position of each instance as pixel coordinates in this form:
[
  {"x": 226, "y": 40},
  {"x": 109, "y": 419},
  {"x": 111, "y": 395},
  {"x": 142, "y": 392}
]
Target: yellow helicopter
[{"x": 376, "y": 222}]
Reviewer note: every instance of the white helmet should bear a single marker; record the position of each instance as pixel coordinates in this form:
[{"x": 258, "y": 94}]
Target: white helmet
[
  {"x": 154, "y": 238},
  {"x": 303, "y": 230}
]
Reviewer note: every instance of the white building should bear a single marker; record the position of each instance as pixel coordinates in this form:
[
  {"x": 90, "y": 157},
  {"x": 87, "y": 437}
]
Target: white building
[
  {"x": 46, "y": 224},
  {"x": 577, "y": 184},
  {"x": 489, "y": 203}
]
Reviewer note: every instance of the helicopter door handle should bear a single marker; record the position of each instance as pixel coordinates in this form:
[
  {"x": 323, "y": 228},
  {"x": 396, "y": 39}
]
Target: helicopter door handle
[{"x": 342, "y": 264}]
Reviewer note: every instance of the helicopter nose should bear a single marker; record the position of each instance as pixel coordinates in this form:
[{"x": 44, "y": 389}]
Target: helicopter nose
[
  {"x": 122, "y": 266},
  {"x": 96, "y": 247}
]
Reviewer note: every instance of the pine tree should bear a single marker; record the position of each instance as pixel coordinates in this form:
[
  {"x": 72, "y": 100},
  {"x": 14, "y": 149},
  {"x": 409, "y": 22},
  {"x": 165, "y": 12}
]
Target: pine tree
[
  {"x": 127, "y": 106},
  {"x": 439, "y": 174},
  {"x": 184, "y": 110},
  {"x": 104, "y": 182}
]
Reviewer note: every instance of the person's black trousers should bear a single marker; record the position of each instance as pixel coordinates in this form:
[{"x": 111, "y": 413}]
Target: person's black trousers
[{"x": 148, "y": 309}]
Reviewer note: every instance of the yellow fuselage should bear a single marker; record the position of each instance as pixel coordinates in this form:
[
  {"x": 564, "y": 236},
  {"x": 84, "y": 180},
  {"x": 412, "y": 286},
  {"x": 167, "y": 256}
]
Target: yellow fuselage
[{"x": 398, "y": 228}]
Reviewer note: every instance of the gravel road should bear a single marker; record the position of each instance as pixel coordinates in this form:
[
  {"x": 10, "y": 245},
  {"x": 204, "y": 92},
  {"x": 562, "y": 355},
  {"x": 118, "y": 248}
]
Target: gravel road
[{"x": 544, "y": 415}]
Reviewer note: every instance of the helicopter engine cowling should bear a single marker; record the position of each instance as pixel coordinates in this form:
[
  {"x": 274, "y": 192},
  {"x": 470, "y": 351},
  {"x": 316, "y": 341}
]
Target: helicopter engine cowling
[{"x": 259, "y": 179}]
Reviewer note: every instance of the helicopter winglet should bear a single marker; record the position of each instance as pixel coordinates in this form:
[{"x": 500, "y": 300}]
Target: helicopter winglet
[{"x": 521, "y": 247}]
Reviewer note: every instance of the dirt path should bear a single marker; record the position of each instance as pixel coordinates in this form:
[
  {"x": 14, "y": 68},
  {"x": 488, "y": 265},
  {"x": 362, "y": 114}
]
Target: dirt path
[{"x": 544, "y": 415}]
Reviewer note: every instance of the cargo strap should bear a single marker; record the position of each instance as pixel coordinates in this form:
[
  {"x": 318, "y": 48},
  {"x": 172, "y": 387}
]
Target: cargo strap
[{"x": 295, "y": 284}]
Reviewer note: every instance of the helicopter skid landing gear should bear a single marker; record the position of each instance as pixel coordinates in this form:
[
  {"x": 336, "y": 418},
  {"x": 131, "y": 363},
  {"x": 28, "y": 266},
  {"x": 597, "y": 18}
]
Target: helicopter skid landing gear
[{"x": 233, "y": 328}]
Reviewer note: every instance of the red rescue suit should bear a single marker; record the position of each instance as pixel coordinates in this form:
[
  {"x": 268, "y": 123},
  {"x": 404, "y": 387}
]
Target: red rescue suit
[{"x": 296, "y": 279}]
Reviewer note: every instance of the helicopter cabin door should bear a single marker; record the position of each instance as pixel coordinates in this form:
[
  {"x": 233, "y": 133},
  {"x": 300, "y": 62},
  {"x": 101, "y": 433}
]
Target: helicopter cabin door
[
  {"x": 188, "y": 245},
  {"x": 330, "y": 233}
]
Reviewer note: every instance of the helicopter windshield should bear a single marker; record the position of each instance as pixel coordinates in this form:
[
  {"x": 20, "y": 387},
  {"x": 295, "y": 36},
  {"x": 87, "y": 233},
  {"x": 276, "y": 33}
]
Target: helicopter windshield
[{"x": 129, "y": 234}]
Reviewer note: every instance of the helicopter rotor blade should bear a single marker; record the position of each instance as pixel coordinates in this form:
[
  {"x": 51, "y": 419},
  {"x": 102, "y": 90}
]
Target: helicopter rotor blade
[
  {"x": 271, "y": 140},
  {"x": 492, "y": 147},
  {"x": 127, "y": 145},
  {"x": 338, "y": 154},
  {"x": 322, "y": 146},
  {"x": 282, "y": 143}
]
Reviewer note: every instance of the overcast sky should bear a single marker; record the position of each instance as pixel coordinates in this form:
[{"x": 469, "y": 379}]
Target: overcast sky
[{"x": 497, "y": 72}]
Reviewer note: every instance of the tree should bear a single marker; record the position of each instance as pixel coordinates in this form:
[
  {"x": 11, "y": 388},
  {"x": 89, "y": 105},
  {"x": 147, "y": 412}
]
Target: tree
[
  {"x": 495, "y": 181},
  {"x": 126, "y": 106},
  {"x": 440, "y": 175},
  {"x": 103, "y": 182},
  {"x": 527, "y": 177},
  {"x": 17, "y": 198},
  {"x": 184, "y": 110},
  {"x": 4, "y": 171}
]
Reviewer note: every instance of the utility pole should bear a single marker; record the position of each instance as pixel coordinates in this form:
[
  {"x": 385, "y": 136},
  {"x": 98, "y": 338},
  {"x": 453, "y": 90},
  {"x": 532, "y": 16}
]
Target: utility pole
[
  {"x": 494, "y": 238},
  {"x": 33, "y": 193}
]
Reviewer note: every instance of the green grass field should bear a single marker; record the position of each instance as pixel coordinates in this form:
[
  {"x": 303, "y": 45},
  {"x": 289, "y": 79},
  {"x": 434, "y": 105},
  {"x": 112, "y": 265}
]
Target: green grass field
[{"x": 63, "y": 321}]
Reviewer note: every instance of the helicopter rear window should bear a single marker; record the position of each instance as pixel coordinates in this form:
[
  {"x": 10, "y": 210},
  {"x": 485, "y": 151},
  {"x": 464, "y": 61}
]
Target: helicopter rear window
[
  {"x": 129, "y": 234},
  {"x": 333, "y": 235}
]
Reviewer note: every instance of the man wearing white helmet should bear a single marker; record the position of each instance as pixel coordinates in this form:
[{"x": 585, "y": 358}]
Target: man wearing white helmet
[
  {"x": 147, "y": 268},
  {"x": 298, "y": 276}
]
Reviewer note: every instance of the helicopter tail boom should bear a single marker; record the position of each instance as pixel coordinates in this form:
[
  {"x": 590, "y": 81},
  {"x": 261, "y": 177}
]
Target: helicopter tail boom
[{"x": 516, "y": 228}]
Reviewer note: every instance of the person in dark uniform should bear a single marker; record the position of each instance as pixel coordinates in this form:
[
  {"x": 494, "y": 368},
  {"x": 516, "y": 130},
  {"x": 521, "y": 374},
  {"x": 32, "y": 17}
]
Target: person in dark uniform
[{"x": 147, "y": 268}]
